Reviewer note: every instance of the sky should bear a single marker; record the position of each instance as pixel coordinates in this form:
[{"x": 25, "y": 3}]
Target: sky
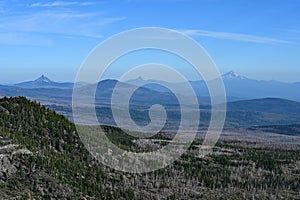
[{"x": 257, "y": 39}]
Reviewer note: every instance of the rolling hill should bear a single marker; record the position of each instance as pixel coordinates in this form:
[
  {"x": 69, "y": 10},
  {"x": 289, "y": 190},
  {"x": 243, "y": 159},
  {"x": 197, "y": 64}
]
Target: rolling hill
[{"x": 268, "y": 105}]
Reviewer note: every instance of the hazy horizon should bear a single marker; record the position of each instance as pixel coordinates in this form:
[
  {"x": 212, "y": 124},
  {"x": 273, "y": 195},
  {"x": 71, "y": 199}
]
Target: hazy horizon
[
  {"x": 257, "y": 39},
  {"x": 133, "y": 78}
]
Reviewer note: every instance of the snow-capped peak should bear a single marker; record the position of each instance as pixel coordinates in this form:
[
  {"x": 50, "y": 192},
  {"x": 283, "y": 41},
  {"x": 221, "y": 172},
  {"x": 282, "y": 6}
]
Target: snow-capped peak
[{"x": 233, "y": 76}]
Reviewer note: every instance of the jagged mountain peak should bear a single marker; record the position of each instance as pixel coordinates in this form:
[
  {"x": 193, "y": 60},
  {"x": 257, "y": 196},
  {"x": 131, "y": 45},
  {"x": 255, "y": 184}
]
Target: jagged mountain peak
[
  {"x": 44, "y": 82},
  {"x": 45, "y": 79}
]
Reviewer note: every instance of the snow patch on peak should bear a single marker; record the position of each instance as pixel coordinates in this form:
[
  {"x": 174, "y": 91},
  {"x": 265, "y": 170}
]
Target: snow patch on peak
[{"x": 233, "y": 76}]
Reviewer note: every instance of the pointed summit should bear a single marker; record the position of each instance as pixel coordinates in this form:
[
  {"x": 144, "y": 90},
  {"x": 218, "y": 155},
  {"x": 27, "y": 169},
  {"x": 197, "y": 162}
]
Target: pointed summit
[
  {"x": 137, "y": 81},
  {"x": 140, "y": 78},
  {"x": 233, "y": 76},
  {"x": 43, "y": 79},
  {"x": 44, "y": 82}
]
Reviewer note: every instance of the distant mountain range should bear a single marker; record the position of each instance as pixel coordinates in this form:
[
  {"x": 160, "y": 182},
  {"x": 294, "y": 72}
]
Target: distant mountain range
[
  {"x": 250, "y": 102},
  {"x": 237, "y": 87}
]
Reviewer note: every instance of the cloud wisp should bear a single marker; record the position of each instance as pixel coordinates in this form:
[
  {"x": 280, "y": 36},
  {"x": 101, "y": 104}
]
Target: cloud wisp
[
  {"x": 60, "y": 4},
  {"x": 18, "y": 38},
  {"x": 233, "y": 36},
  {"x": 45, "y": 23}
]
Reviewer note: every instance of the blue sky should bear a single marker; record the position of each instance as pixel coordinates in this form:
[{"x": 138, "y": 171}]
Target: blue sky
[{"x": 257, "y": 39}]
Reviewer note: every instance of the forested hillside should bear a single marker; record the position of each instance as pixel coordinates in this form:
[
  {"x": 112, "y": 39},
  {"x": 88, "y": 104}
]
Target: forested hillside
[{"x": 57, "y": 166}]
